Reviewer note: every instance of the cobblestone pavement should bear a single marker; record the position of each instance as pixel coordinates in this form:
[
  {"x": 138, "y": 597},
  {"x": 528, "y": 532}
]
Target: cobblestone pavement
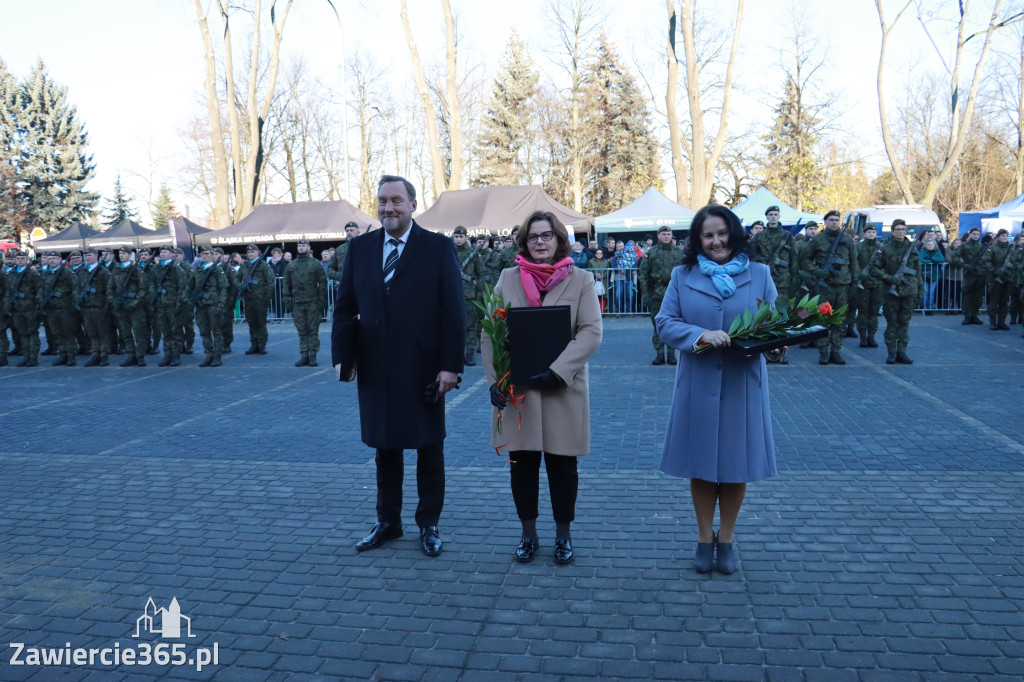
[{"x": 888, "y": 548}]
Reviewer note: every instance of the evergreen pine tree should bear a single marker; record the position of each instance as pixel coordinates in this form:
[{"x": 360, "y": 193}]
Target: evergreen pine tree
[
  {"x": 792, "y": 170},
  {"x": 506, "y": 124},
  {"x": 12, "y": 213},
  {"x": 53, "y": 165},
  {"x": 163, "y": 208},
  {"x": 623, "y": 160},
  {"x": 119, "y": 207}
]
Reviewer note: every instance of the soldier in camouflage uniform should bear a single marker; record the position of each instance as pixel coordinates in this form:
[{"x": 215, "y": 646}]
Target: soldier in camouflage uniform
[
  {"x": 655, "y": 274},
  {"x": 208, "y": 289},
  {"x": 94, "y": 279},
  {"x": 25, "y": 297},
  {"x": 869, "y": 292},
  {"x": 145, "y": 260},
  {"x": 832, "y": 284},
  {"x": 902, "y": 293},
  {"x": 999, "y": 266},
  {"x": 472, "y": 288},
  {"x": 337, "y": 264},
  {"x": 256, "y": 292},
  {"x": 227, "y": 318},
  {"x": 128, "y": 294},
  {"x": 305, "y": 292},
  {"x": 490, "y": 260},
  {"x": 167, "y": 281},
  {"x": 509, "y": 253},
  {"x": 774, "y": 246},
  {"x": 973, "y": 287},
  {"x": 4, "y": 343},
  {"x": 61, "y": 294},
  {"x": 186, "y": 311}
]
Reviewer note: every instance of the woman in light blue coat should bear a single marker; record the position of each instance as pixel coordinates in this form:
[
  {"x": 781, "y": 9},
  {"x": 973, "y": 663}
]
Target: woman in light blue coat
[{"x": 720, "y": 430}]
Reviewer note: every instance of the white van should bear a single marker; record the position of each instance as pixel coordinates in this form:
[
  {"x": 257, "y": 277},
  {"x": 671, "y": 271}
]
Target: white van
[{"x": 918, "y": 218}]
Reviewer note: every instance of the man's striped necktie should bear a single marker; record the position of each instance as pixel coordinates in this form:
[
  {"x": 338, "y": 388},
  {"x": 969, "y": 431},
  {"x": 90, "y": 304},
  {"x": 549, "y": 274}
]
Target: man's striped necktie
[{"x": 390, "y": 263}]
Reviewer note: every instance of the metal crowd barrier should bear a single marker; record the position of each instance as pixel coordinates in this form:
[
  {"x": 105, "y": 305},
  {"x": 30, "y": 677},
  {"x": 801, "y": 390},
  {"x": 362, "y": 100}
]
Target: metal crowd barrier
[{"x": 619, "y": 293}]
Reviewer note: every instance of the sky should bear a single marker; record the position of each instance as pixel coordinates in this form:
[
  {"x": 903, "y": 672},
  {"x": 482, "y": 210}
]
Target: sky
[{"x": 135, "y": 69}]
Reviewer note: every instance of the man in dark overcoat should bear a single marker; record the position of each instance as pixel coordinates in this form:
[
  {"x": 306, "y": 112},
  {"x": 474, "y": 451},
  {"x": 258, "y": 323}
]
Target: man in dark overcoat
[{"x": 404, "y": 283}]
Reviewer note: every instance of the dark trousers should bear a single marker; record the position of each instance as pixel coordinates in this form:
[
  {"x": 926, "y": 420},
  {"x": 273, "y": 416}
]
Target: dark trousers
[
  {"x": 429, "y": 484},
  {"x": 563, "y": 483}
]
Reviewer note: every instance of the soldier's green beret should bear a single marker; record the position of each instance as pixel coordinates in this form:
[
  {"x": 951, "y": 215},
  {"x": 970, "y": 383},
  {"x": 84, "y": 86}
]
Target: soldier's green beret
[
  {"x": 206, "y": 249},
  {"x": 76, "y": 253},
  {"x": 167, "y": 247},
  {"x": 252, "y": 247},
  {"x": 664, "y": 228},
  {"x": 459, "y": 230},
  {"x": 304, "y": 241},
  {"x": 219, "y": 251}
]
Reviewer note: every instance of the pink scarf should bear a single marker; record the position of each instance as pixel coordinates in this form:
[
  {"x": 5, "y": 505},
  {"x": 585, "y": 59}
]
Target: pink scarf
[{"x": 538, "y": 277}]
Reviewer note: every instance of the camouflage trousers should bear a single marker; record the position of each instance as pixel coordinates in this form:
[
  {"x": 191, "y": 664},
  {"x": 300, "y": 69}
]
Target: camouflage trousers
[
  {"x": 869, "y": 301},
  {"x": 306, "y": 317},
  {"x": 134, "y": 331},
  {"x": 654, "y": 305},
  {"x": 838, "y": 296},
  {"x": 26, "y": 323},
  {"x": 5, "y": 344},
  {"x": 898, "y": 311},
  {"x": 95, "y": 321},
  {"x": 473, "y": 317},
  {"x": 998, "y": 301},
  {"x": 256, "y": 317},
  {"x": 208, "y": 319},
  {"x": 186, "y": 320},
  {"x": 227, "y": 322},
  {"x": 973, "y": 290},
  {"x": 167, "y": 322},
  {"x": 63, "y": 329},
  {"x": 152, "y": 329}
]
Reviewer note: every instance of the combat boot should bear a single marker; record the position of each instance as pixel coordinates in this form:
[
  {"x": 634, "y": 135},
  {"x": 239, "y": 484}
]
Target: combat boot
[
  {"x": 176, "y": 361},
  {"x": 215, "y": 362},
  {"x": 188, "y": 349},
  {"x": 312, "y": 361},
  {"x": 62, "y": 360},
  {"x": 850, "y": 333},
  {"x": 823, "y": 356},
  {"x": 165, "y": 362},
  {"x": 263, "y": 349},
  {"x": 871, "y": 341},
  {"x": 140, "y": 361},
  {"x": 104, "y": 360},
  {"x": 303, "y": 362},
  {"x": 835, "y": 358},
  {"x": 206, "y": 361},
  {"x": 659, "y": 359},
  {"x": 93, "y": 361},
  {"x": 902, "y": 359},
  {"x": 470, "y": 359},
  {"x": 864, "y": 339},
  {"x": 672, "y": 356},
  {"x": 252, "y": 350},
  {"x": 71, "y": 361},
  {"x": 3, "y": 360},
  {"x": 33, "y": 362},
  {"x": 130, "y": 362},
  {"x": 890, "y": 359},
  {"x": 23, "y": 363}
]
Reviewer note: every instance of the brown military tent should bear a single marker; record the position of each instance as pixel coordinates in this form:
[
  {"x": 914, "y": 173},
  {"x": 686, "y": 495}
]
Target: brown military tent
[
  {"x": 496, "y": 210},
  {"x": 312, "y": 220}
]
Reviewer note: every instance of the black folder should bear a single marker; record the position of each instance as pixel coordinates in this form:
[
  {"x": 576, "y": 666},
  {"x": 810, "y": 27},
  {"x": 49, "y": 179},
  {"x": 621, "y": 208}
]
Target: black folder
[
  {"x": 347, "y": 352},
  {"x": 536, "y": 337}
]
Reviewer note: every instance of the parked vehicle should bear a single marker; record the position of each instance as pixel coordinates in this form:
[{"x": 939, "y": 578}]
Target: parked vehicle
[{"x": 919, "y": 219}]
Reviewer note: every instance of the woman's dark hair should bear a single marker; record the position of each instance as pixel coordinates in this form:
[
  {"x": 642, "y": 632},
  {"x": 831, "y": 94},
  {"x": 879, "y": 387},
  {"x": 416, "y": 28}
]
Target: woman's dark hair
[
  {"x": 738, "y": 237},
  {"x": 562, "y": 249}
]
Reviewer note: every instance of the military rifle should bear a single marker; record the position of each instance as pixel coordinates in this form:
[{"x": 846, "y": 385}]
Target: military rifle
[
  {"x": 831, "y": 260},
  {"x": 202, "y": 285},
  {"x": 53, "y": 284},
  {"x": 246, "y": 282},
  {"x": 15, "y": 293},
  {"x": 982, "y": 252},
  {"x": 776, "y": 261},
  {"x": 119, "y": 302},
  {"x": 87, "y": 289},
  {"x": 1006, "y": 263},
  {"x": 903, "y": 270},
  {"x": 160, "y": 291}
]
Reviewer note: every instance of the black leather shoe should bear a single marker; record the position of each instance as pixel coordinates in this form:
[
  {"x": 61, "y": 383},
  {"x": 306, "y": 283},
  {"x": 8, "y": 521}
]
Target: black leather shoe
[
  {"x": 381, "y": 533},
  {"x": 430, "y": 541},
  {"x": 526, "y": 550},
  {"x": 563, "y": 552}
]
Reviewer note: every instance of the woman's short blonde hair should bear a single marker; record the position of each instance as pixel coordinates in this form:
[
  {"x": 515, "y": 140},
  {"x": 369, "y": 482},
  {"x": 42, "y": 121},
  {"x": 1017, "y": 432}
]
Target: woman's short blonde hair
[{"x": 563, "y": 249}]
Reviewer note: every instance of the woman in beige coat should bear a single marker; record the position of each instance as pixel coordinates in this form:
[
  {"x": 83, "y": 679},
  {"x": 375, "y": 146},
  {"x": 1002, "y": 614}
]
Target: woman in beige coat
[{"x": 555, "y": 411}]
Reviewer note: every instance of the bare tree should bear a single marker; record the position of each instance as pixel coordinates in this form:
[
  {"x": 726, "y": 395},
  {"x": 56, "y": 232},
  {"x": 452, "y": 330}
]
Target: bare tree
[
  {"x": 452, "y": 98},
  {"x": 371, "y": 111},
  {"x": 960, "y": 114},
  {"x": 705, "y": 153},
  {"x": 679, "y": 168},
  {"x": 576, "y": 23},
  {"x": 1005, "y": 97},
  {"x": 436, "y": 166}
]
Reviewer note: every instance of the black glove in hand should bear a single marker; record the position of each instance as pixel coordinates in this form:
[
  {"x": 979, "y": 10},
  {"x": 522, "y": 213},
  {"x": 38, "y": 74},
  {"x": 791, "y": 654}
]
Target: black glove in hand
[
  {"x": 498, "y": 397},
  {"x": 546, "y": 379}
]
